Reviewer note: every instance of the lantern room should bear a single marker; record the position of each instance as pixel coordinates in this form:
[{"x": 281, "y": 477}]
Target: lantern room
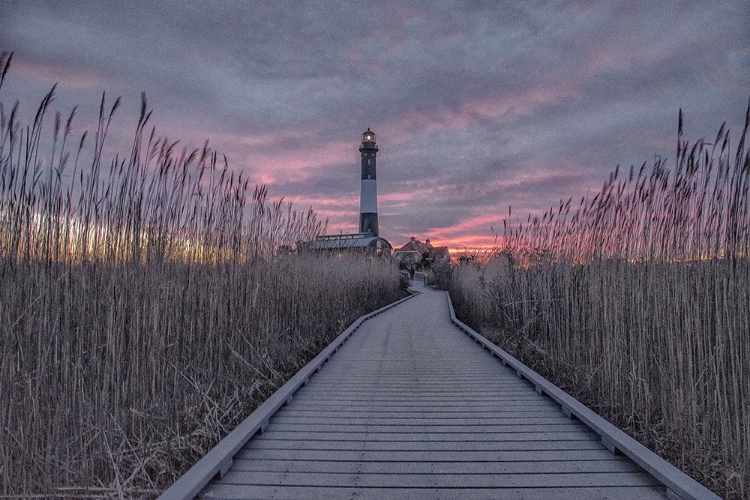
[{"x": 368, "y": 140}]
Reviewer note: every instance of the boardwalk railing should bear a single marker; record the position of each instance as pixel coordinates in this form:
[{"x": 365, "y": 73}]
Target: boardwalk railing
[
  {"x": 679, "y": 485},
  {"x": 218, "y": 460}
]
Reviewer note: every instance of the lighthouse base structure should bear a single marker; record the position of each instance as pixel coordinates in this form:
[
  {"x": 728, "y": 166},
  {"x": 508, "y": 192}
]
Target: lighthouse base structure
[
  {"x": 357, "y": 242},
  {"x": 368, "y": 223}
]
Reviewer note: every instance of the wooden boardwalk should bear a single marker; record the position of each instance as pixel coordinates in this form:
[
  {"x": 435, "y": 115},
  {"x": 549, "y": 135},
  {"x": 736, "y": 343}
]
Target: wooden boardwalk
[{"x": 410, "y": 407}]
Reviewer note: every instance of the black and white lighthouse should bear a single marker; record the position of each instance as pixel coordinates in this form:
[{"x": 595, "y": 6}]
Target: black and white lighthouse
[
  {"x": 368, "y": 199},
  {"x": 368, "y": 238}
]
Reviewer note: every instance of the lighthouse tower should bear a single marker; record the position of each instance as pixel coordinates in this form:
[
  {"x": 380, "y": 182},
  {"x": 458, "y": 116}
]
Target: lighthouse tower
[
  {"x": 367, "y": 239},
  {"x": 368, "y": 199}
]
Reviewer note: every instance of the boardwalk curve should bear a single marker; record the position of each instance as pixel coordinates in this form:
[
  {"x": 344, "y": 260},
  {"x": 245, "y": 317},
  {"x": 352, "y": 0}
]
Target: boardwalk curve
[{"x": 411, "y": 408}]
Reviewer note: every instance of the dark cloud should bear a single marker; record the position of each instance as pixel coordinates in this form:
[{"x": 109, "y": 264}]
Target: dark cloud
[{"x": 477, "y": 105}]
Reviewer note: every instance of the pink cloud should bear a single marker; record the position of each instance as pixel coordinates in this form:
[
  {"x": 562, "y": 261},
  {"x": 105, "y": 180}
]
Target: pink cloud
[
  {"x": 269, "y": 159},
  {"x": 470, "y": 234},
  {"x": 51, "y": 74}
]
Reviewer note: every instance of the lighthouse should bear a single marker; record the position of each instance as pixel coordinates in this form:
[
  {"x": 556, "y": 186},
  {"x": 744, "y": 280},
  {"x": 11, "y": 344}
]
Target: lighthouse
[
  {"x": 368, "y": 239},
  {"x": 368, "y": 199}
]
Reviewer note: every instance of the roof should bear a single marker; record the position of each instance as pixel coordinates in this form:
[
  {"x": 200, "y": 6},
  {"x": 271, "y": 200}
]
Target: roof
[
  {"x": 349, "y": 241},
  {"x": 416, "y": 246},
  {"x": 412, "y": 247}
]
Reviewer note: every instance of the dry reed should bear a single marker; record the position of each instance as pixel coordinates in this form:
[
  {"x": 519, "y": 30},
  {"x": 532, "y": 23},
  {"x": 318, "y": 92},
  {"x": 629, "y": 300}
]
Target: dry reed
[
  {"x": 638, "y": 303},
  {"x": 147, "y": 305}
]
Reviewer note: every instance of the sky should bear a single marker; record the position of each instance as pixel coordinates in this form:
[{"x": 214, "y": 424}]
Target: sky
[{"x": 477, "y": 105}]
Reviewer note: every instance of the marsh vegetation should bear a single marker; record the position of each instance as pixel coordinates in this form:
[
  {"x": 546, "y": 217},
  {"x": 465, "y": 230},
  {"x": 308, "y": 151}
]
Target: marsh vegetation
[
  {"x": 637, "y": 302},
  {"x": 148, "y": 303}
]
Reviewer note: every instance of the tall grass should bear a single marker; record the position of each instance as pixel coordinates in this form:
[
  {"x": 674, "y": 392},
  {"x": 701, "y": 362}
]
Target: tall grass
[
  {"x": 638, "y": 302},
  {"x": 147, "y": 304}
]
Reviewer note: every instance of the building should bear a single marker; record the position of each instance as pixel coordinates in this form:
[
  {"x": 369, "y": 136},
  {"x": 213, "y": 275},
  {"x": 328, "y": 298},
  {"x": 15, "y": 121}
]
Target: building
[
  {"x": 416, "y": 253},
  {"x": 356, "y": 241},
  {"x": 368, "y": 238}
]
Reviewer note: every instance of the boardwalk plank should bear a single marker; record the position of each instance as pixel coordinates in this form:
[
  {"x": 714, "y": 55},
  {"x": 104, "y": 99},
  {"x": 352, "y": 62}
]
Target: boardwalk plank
[
  {"x": 395, "y": 428},
  {"x": 428, "y": 456},
  {"x": 416, "y": 397},
  {"x": 546, "y": 408},
  {"x": 388, "y": 405},
  {"x": 476, "y": 437},
  {"x": 243, "y": 492},
  {"x": 420, "y": 467},
  {"x": 424, "y": 421},
  {"x": 420, "y": 413},
  {"x": 425, "y": 445},
  {"x": 446, "y": 480}
]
